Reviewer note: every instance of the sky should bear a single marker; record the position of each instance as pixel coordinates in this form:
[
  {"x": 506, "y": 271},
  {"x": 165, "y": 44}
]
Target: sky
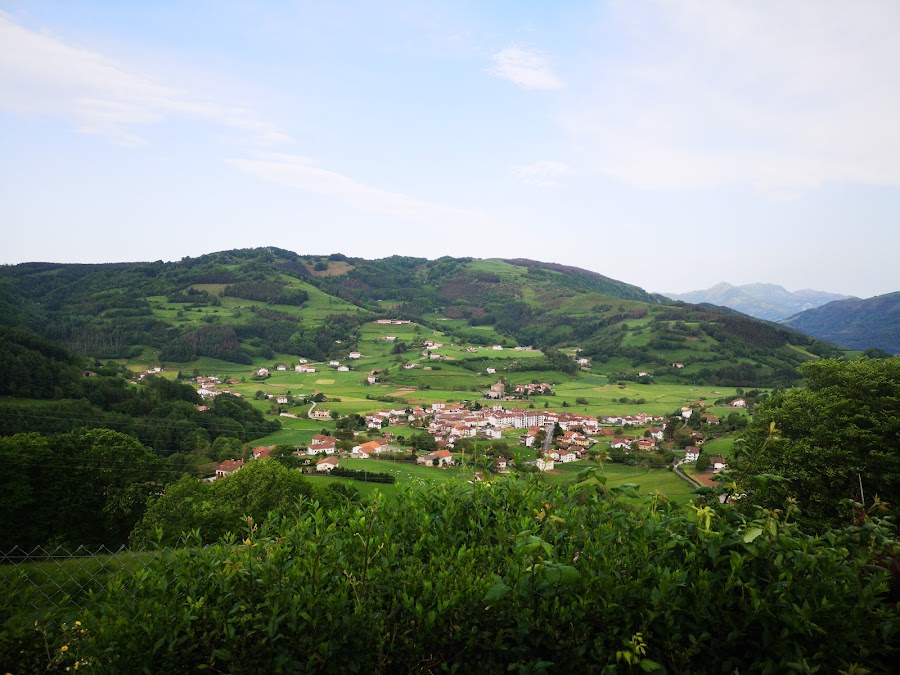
[{"x": 669, "y": 144}]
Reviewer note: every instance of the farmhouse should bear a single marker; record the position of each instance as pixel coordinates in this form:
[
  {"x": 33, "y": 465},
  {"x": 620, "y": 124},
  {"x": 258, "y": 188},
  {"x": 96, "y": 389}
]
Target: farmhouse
[
  {"x": 326, "y": 464},
  {"x": 228, "y": 467},
  {"x": 370, "y": 448},
  {"x": 497, "y": 390},
  {"x": 438, "y": 458},
  {"x": 691, "y": 453},
  {"x": 321, "y": 414},
  {"x": 321, "y": 443},
  {"x": 262, "y": 451},
  {"x": 544, "y": 463}
]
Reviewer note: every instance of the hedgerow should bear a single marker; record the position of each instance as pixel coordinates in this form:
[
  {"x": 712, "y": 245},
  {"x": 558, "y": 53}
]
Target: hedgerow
[{"x": 505, "y": 576}]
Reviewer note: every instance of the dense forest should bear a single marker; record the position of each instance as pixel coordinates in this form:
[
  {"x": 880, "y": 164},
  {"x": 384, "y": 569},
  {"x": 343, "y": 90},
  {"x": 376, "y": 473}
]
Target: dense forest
[{"x": 79, "y": 438}]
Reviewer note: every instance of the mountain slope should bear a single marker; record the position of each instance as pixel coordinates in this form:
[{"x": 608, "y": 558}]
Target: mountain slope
[
  {"x": 251, "y": 304},
  {"x": 764, "y": 301},
  {"x": 857, "y": 324}
]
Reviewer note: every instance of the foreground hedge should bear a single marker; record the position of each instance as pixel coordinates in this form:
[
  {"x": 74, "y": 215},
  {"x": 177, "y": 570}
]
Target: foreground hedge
[{"x": 498, "y": 577}]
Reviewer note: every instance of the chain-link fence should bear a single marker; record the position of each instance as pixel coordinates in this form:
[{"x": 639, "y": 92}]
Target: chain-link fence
[{"x": 53, "y": 579}]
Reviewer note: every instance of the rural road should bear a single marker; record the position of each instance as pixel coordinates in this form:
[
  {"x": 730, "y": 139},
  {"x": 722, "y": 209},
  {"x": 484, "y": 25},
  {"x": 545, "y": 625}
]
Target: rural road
[{"x": 548, "y": 438}]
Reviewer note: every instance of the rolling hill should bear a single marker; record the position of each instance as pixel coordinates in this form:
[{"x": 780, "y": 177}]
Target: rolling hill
[
  {"x": 764, "y": 301},
  {"x": 856, "y": 324},
  {"x": 251, "y": 305}
]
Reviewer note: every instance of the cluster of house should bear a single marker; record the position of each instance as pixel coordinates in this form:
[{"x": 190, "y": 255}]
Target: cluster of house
[
  {"x": 498, "y": 389},
  {"x": 230, "y": 466},
  {"x": 542, "y": 389},
  {"x": 153, "y": 370},
  {"x": 209, "y": 387},
  {"x": 451, "y": 422}
]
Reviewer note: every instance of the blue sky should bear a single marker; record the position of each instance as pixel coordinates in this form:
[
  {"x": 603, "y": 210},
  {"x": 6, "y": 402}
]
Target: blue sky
[{"x": 668, "y": 144}]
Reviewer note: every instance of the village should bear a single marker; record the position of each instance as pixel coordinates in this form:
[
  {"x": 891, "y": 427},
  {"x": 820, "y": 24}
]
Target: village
[{"x": 572, "y": 437}]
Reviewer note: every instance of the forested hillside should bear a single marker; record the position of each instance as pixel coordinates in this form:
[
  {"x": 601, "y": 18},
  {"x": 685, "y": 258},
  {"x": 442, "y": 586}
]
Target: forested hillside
[
  {"x": 242, "y": 305},
  {"x": 857, "y": 324}
]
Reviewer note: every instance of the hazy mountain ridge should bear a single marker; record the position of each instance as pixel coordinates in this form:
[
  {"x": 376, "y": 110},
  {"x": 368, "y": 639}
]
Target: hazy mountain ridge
[
  {"x": 854, "y": 323},
  {"x": 763, "y": 301}
]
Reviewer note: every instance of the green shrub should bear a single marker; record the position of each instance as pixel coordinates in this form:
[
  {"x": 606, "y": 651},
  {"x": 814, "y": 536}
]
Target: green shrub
[{"x": 508, "y": 576}]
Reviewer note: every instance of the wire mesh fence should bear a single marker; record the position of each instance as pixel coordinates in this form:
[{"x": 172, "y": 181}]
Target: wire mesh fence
[{"x": 54, "y": 579}]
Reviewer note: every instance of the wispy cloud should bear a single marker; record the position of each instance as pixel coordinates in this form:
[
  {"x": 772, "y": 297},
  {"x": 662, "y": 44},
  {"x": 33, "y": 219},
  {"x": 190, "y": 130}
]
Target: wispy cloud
[
  {"x": 525, "y": 67},
  {"x": 40, "y": 74},
  {"x": 783, "y": 96},
  {"x": 546, "y": 173},
  {"x": 302, "y": 173}
]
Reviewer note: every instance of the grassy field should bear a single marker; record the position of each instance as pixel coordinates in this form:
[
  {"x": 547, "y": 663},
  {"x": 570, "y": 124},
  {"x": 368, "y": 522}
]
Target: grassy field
[{"x": 649, "y": 481}]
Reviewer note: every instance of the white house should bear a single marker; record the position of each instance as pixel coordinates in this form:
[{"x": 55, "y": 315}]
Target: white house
[
  {"x": 691, "y": 453},
  {"x": 739, "y": 403},
  {"x": 262, "y": 372},
  {"x": 354, "y": 355},
  {"x": 326, "y": 464},
  {"x": 438, "y": 458},
  {"x": 544, "y": 463}
]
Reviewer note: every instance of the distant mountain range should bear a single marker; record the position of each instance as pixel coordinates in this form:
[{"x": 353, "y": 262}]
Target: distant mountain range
[
  {"x": 764, "y": 301},
  {"x": 854, "y": 323}
]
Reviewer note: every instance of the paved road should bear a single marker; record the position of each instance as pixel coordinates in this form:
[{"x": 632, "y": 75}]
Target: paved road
[
  {"x": 683, "y": 475},
  {"x": 311, "y": 408},
  {"x": 548, "y": 437}
]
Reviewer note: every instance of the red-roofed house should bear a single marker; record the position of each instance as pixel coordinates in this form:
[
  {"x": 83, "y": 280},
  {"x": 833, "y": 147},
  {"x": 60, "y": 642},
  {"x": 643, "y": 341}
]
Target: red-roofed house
[{"x": 228, "y": 467}]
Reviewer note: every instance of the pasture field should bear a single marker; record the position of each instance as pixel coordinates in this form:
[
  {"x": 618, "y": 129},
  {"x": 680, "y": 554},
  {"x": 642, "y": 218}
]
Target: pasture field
[
  {"x": 649, "y": 481},
  {"x": 720, "y": 446}
]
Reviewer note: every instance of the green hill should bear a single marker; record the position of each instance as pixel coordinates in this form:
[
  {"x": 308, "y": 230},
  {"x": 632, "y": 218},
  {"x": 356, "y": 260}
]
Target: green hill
[{"x": 249, "y": 305}]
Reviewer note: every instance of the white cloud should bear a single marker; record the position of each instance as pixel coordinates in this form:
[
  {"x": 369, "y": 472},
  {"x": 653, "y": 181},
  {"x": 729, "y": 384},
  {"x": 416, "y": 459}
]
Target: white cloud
[
  {"x": 786, "y": 96},
  {"x": 545, "y": 173},
  {"x": 301, "y": 173},
  {"x": 527, "y": 68},
  {"x": 43, "y": 75}
]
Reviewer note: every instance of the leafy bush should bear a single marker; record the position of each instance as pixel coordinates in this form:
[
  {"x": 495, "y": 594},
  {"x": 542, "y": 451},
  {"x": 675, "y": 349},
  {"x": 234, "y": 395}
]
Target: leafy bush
[{"x": 507, "y": 576}]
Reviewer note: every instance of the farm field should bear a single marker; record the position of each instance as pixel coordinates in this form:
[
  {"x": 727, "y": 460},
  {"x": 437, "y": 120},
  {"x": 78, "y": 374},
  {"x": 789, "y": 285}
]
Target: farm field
[{"x": 649, "y": 481}]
